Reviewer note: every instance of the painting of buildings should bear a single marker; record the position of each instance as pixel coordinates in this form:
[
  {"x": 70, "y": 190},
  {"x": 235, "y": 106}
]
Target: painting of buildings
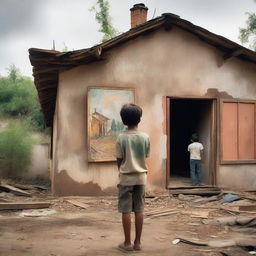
[
  {"x": 99, "y": 124},
  {"x": 104, "y": 123}
]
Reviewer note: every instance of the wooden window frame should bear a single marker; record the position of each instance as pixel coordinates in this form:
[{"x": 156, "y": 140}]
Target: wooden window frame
[{"x": 234, "y": 162}]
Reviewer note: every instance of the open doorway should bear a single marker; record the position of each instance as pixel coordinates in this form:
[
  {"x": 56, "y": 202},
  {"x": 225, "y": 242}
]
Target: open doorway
[{"x": 188, "y": 116}]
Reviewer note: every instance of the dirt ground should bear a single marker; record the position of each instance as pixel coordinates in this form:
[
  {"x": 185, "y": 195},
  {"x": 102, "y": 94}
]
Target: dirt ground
[{"x": 97, "y": 229}]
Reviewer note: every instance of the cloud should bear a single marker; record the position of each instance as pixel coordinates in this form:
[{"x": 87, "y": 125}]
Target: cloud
[
  {"x": 36, "y": 23},
  {"x": 17, "y": 15}
]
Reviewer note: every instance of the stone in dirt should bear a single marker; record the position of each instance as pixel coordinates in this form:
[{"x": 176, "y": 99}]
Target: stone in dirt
[{"x": 37, "y": 213}]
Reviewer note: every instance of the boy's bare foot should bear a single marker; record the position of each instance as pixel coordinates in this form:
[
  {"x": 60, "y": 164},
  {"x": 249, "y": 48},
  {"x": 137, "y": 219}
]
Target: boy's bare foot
[
  {"x": 137, "y": 247},
  {"x": 126, "y": 248}
]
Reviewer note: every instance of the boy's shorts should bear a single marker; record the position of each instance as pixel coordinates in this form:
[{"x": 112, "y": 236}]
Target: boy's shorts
[{"x": 131, "y": 198}]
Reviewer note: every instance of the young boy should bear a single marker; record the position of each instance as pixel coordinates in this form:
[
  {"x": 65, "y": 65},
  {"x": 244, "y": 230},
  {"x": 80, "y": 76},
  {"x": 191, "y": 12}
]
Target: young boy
[
  {"x": 196, "y": 155},
  {"x": 132, "y": 147}
]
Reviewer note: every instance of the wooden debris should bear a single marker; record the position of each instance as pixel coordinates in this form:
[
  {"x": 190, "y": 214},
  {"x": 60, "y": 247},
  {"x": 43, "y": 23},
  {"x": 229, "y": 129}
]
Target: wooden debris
[
  {"x": 249, "y": 221},
  {"x": 191, "y": 187},
  {"x": 30, "y": 187},
  {"x": 3, "y": 200},
  {"x": 77, "y": 203},
  {"x": 253, "y": 198},
  {"x": 192, "y": 242},
  {"x": 40, "y": 187},
  {"x": 220, "y": 243},
  {"x": 15, "y": 191},
  {"x": 195, "y": 192},
  {"x": 197, "y": 214},
  {"x": 206, "y": 200},
  {"x": 159, "y": 212},
  {"x": 195, "y": 199},
  {"x": 24, "y": 205},
  {"x": 202, "y": 190},
  {"x": 248, "y": 208},
  {"x": 23, "y": 186},
  {"x": 164, "y": 214}
]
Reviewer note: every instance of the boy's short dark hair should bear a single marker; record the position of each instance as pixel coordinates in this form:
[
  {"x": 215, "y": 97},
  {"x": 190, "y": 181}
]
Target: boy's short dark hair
[
  {"x": 130, "y": 114},
  {"x": 194, "y": 137}
]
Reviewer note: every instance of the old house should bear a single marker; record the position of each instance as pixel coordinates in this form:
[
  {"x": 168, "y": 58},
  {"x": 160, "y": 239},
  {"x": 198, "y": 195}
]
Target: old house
[
  {"x": 99, "y": 124},
  {"x": 185, "y": 78}
]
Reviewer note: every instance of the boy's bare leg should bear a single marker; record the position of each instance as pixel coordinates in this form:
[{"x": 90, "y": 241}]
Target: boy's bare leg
[
  {"x": 126, "y": 219},
  {"x": 138, "y": 229}
]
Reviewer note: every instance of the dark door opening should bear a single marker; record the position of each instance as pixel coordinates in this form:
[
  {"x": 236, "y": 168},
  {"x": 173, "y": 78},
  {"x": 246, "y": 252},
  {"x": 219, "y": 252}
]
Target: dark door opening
[{"x": 188, "y": 116}]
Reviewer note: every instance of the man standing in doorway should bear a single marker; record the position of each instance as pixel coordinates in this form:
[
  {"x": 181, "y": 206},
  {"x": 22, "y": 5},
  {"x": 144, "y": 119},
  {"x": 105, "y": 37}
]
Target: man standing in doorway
[{"x": 196, "y": 155}]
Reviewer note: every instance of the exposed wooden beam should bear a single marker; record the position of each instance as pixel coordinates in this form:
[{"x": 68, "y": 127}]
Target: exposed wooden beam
[{"x": 233, "y": 53}]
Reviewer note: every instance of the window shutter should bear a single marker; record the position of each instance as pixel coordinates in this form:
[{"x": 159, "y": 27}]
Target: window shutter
[{"x": 238, "y": 131}]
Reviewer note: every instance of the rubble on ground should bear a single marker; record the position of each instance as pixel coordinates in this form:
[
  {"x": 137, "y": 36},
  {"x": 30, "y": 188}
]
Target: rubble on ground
[{"x": 217, "y": 223}]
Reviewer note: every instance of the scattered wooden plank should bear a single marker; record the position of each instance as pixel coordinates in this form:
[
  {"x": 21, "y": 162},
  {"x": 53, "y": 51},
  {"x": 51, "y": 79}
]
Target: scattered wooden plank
[
  {"x": 197, "y": 214},
  {"x": 192, "y": 242},
  {"x": 253, "y": 198},
  {"x": 206, "y": 200},
  {"x": 40, "y": 187},
  {"x": 24, "y": 205},
  {"x": 248, "y": 208},
  {"x": 3, "y": 200},
  {"x": 192, "y": 187},
  {"x": 29, "y": 187},
  {"x": 22, "y": 186},
  {"x": 15, "y": 191},
  {"x": 77, "y": 203},
  {"x": 158, "y": 212},
  {"x": 163, "y": 214},
  {"x": 195, "y": 192}
]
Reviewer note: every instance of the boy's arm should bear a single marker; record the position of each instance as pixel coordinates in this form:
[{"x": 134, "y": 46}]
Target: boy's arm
[
  {"x": 119, "y": 162},
  {"x": 147, "y": 148},
  {"x": 119, "y": 153},
  {"x": 202, "y": 155}
]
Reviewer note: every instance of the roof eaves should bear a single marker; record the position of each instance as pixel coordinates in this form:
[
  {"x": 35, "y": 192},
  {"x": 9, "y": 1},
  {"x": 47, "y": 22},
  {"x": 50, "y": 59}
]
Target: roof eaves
[{"x": 50, "y": 62}]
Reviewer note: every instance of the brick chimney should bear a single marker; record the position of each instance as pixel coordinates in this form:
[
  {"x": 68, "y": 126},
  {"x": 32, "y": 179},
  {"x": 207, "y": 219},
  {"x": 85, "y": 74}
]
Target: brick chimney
[{"x": 138, "y": 14}]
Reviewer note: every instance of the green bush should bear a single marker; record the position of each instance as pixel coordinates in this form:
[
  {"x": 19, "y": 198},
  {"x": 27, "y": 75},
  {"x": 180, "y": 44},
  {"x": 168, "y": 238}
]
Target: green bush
[
  {"x": 15, "y": 150},
  {"x": 18, "y": 98}
]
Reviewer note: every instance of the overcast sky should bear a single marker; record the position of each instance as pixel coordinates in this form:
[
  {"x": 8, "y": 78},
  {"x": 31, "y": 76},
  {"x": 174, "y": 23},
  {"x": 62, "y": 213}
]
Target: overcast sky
[{"x": 36, "y": 23}]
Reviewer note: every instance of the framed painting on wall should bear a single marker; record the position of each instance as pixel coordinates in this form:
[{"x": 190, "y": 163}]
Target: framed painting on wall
[{"x": 104, "y": 121}]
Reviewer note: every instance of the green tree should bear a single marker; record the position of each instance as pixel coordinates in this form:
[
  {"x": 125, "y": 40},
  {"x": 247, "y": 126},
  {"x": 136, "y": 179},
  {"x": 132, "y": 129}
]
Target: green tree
[
  {"x": 101, "y": 9},
  {"x": 15, "y": 150},
  {"x": 120, "y": 126},
  {"x": 248, "y": 34},
  {"x": 113, "y": 125},
  {"x": 18, "y": 98}
]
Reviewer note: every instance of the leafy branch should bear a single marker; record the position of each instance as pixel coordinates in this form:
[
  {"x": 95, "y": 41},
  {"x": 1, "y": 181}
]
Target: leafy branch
[{"x": 101, "y": 9}]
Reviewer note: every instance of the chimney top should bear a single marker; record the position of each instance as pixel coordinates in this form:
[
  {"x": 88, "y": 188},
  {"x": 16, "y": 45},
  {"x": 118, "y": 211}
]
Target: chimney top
[
  {"x": 138, "y": 6},
  {"x": 138, "y": 14}
]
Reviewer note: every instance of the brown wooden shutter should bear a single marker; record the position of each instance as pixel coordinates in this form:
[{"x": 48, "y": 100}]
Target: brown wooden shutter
[{"x": 238, "y": 131}]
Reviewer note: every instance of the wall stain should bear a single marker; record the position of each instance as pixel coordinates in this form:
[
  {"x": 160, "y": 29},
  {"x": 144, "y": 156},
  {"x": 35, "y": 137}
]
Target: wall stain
[
  {"x": 64, "y": 185},
  {"x": 214, "y": 92}
]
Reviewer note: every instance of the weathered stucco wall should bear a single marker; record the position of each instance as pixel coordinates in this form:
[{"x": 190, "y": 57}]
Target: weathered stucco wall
[{"x": 173, "y": 63}]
